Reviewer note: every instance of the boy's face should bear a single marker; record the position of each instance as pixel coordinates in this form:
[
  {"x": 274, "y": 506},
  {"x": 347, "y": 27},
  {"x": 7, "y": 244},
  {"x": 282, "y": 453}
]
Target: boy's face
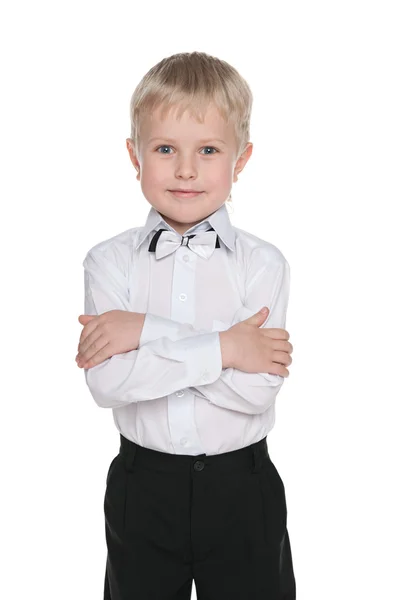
[{"x": 184, "y": 154}]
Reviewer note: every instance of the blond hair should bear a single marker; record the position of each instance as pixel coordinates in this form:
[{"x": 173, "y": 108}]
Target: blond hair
[{"x": 193, "y": 80}]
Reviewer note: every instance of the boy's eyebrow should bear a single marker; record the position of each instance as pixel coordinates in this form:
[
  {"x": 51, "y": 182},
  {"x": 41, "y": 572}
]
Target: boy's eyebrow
[{"x": 199, "y": 141}]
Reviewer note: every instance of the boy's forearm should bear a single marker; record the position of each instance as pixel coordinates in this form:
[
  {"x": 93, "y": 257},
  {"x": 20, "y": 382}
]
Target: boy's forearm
[{"x": 227, "y": 349}]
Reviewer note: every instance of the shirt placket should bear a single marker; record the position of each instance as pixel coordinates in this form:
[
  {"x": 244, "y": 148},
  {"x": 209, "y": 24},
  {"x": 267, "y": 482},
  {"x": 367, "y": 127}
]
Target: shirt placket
[{"x": 181, "y": 404}]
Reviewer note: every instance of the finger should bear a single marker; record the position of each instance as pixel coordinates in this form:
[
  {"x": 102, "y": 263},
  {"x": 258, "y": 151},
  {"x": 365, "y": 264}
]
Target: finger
[
  {"x": 89, "y": 339},
  {"x": 281, "y": 370},
  {"x": 90, "y": 346},
  {"x": 88, "y": 329},
  {"x": 99, "y": 357},
  {"x": 282, "y": 345},
  {"x": 96, "y": 346},
  {"x": 85, "y": 318},
  {"x": 282, "y": 358},
  {"x": 275, "y": 333}
]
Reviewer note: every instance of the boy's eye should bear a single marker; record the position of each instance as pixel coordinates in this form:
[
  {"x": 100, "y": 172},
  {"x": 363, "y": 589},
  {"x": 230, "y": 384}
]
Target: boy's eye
[
  {"x": 163, "y": 147},
  {"x": 209, "y": 147}
]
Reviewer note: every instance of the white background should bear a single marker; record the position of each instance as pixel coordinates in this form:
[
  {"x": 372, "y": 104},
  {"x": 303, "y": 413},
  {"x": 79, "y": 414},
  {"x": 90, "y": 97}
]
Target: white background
[{"x": 322, "y": 184}]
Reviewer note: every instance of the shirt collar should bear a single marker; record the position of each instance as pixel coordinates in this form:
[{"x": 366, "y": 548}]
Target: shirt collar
[{"x": 218, "y": 220}]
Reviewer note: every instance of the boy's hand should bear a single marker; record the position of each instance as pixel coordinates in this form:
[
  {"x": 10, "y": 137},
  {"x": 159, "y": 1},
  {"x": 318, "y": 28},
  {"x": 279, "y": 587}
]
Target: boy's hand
[
  {"x": 113, "y": 332},
  {"x": 249, "y": 348}
]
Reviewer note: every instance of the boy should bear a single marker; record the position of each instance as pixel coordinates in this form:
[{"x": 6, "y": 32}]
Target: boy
[{"x": 173, "y": 341}]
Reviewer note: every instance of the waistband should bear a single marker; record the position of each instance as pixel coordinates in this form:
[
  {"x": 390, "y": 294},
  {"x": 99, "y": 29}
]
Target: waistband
[{"x": 243, "y": 459}]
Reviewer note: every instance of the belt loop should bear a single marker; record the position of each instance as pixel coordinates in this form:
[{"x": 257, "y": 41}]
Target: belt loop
[
  {"x": 256, "y": 458},
  {"x": 260, "y": 453},
  {"x": 130, "y": 457},
  {"x": 128, "y": 450}
]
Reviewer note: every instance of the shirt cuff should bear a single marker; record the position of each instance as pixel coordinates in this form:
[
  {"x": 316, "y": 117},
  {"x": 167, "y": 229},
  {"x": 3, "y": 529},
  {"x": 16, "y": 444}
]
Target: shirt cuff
[
  {"x": 155, "y": 327},
  {"x": 204, "y": 351},
  {"x": 201, "y": 355}
]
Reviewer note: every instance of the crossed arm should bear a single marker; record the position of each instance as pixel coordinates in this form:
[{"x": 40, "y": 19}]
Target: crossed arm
[{"x": 172, "y": 355}]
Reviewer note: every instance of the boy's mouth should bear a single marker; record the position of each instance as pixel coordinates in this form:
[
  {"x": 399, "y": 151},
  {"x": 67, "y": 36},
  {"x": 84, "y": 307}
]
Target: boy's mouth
[{"x": 185, "y": 193}]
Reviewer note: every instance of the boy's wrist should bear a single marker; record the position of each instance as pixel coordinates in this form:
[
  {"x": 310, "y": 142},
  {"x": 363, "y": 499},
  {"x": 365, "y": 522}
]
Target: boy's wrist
[{"x": 139, "y": 324}]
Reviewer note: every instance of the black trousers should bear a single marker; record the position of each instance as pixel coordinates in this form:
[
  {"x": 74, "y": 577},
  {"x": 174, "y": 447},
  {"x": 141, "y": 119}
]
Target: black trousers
[{"x": 219, "y": 520}]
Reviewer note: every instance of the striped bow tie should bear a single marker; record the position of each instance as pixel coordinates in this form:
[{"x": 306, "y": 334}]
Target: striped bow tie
[{"x": 165, "y": 242}]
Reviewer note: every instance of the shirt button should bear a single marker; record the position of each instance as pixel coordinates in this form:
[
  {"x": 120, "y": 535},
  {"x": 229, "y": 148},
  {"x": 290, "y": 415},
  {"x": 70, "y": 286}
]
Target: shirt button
[
  {"x": 182, "y": 297},
  {"x": 186, "y": 258},
  {"x": 184, "y": 441},
  {"x": 179, "y": 393}
]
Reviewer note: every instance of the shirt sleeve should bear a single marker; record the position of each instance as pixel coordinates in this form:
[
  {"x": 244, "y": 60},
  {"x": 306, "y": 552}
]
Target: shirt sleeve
[
  {"x": 253, "y": 393},
  {"x": 250, "y": 393},
  {"x": 158, "y": 367}
]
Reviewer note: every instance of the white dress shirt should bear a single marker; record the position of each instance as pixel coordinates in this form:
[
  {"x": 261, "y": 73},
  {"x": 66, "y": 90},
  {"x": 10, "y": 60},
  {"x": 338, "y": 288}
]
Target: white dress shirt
[{"x": 171, "y": 394}]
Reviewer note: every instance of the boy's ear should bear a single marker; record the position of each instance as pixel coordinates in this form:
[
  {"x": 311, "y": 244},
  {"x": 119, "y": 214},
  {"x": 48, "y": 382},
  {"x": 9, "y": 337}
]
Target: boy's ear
[
  {"x": 242, "y": 160},
  {"x": 132, "y": 155}
]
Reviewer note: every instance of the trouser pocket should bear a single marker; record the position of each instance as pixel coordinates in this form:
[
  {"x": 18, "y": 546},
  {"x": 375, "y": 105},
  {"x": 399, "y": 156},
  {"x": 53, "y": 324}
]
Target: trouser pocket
[
  {"x": 274, "y": 503},
  {"x": 110, "y": 468},
  {"x": 115, "y": 497}
]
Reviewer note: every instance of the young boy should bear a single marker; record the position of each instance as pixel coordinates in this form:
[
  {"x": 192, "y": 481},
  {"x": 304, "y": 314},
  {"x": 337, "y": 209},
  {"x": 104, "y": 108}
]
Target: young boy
[{"x": 173, "y": 341}]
